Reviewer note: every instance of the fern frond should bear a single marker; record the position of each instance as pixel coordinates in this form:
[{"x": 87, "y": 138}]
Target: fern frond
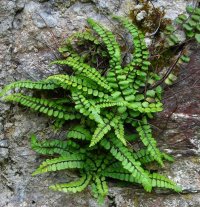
[
  {"x": 107, "y": 103},
  {"x": 145, "y": 107},
  {"x": 101, "y": 130},
  {"x": 145, "y": 133},
  {"x": 110, "y": 42},
  {"x": 141, "y": 53},
  {"x": 157, "y": 180},
  {"x": 114, "y": 75},
  {"x": 122, "y": 154},
  {"x": 86, "y": 107},
  {"x": 51, "y": 147},
  {"x": 137, "y": 69},
  {"x": 45, "y": 85},
  {"x": 143, "y": 156},
  {"x": 100, "y": 188},
  {"x": 68, "y": 51},
  {"x": 43, "y": 105},
  {"x": 79, "y": 132},
  {"x": 75, "y": 186},
  {"x": 61, "y": 163},
  {"x": 118, "y": 126},
  {"x": 86, "y": 70},
  {"x": 123, "y": 175},
  {"x": 87, "y": 35},
  {"x": 66, "y": 81},
  {"x": 161, "y": 181},
  {"x": 167, "y": 157}
]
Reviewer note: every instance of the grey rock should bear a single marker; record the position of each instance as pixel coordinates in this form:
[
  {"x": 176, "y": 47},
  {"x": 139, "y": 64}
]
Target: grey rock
[
  {"x": 173, "y": 7},
  {"x": 3, "y": 150},
  {"x": 108, "y": 6},
  {"x": 44, "y": 19},
  {"x": 141, "y": 15},
  {"x": 42, "y": 16}
]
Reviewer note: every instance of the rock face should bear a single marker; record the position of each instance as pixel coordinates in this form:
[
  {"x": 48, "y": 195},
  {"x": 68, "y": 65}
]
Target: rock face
[{"x": 30, "y": 32}]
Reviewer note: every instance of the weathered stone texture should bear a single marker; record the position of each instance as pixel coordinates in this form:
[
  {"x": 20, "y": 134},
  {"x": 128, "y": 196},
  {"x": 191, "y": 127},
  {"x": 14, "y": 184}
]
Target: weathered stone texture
[{"x": 30, "y": 32}]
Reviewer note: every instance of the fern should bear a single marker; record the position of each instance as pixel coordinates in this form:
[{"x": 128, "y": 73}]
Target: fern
[
  {"x": 79, "y": 132},
  {"x": 103, "y": 101},
  {"x": 45, "y": 85},
  {"x": 86, "y": 108},
  {"x": 52, "y": 147},
  {"x": 100, "y": 187},
  {"x": 110, "y": 42},
  {"x": 76, "y": 186},
  {"x": 157, "y": 180},
  {"x": 94, "y": 167},
  {"x": 100, "y": 132},
  {"x": 122, "y": 154},
  {"x": 145, "y": 133},
  {"x": 61, "y": 163},
  {"x": 44, "y": 106},
  {"x": 86, "y": 70}
]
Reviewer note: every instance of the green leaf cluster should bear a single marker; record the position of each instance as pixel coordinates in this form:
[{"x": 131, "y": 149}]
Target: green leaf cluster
[
  {"x": 103, "y": 105},
  {"x": 189, "y": 23}
]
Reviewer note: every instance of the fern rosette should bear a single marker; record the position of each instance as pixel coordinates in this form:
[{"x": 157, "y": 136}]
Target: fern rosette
[{"x": 105, "y": 103}]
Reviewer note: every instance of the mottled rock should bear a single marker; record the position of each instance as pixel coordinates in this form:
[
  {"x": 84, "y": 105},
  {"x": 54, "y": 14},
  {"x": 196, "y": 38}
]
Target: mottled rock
[
  {"x": 141, "y": 15},
  {"x": 173, "y": 7},
  {"x": 3, "y": 150}
]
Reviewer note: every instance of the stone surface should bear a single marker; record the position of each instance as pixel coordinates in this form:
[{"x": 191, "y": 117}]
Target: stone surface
[{"x": 30, "y": 32}]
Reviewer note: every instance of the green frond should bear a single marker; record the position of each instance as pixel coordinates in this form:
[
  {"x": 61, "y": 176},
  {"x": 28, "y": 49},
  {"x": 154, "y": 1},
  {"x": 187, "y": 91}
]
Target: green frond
[
  {"x": 145, "y": 107},
  {"x": 110, "y": 42},
  {"x": 87, "y": 35},
  {"x": 61, "y": 163},
  {"x": 45, "y": 85},
  {"x": 58, "y": 124},
  {"x": 122, "y": 154},
  {"x": 66, "y": 82},
  {"x": 131, "y": 137},
  {"x": 68, "y": 50},
  {"x": 79, "y": 132},
  {"x": 140, "y": 49},
  {"x": 124, "y": 176},
  {"x": 157, "y": 180},
  {"x": 143, "y": 156},
  {"x": 75, "y": 186},
  {"x": 167, "y": 157},
  {"x": 61, "y": 101},
  {"x": 107, "y": 103},
  {"x": 161, "y": 181},
  {"x": 114, "y": 75},
  {"x": 100, "y": 188},
  {"x": 86, "y": 70},
  {"x": 54, "y": 146},
  {"x": 145, "y": 133},
  {"x": 140, "y": 56},
  {"x": 44, "y": 106},
  {"x": 101, "y": 130},
  {"x": 86, "y": 107},
  {"x": 113, "y": 166},
  {"x": 118, "y": 126}
]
